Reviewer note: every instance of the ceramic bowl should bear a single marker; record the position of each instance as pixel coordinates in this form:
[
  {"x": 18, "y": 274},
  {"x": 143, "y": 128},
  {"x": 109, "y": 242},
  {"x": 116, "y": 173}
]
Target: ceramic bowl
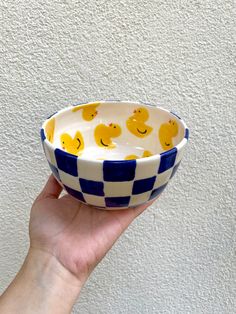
[{"x": 114, "y": 154}]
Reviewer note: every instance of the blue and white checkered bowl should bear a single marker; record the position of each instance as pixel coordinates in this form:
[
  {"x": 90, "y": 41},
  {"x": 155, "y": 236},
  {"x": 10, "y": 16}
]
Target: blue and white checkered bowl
[{"x": 100, "y": 176}]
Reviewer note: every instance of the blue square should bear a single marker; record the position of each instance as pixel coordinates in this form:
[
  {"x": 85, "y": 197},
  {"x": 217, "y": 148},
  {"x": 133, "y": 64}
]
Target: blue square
[
  {"x": 186, "y": 133},
  {"x": 66, "y": 162},
  {"x": 157, "y": 191},
  {"x": 119, "y": 170},
  {"x": 76, "y": 194},
  {"x": 117, "y": 201},
  {"x": 167, "y": 160},
  {"x": 42, "y": 135},
  {"x": 54, "y": 171},
  {"x": 92, "y": 187},
  {"x": 174, "y": 170},
  {"x": 144, "y": 185}
]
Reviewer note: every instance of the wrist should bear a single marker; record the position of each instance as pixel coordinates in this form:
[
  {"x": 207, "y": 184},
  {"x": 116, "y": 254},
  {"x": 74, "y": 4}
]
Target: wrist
[
  {"x": 48, "y": 274},
  {"x": 42, "y": 285}
]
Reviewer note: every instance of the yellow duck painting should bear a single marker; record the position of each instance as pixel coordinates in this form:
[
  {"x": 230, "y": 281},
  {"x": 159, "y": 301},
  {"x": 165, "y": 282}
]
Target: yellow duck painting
[
  {"x": 167, "y": 131},
  {"x": 71, "y": 145},
  {"x": 50, "y": 126},
  {"x": 136, "y": 123},
  {"x": 104, "y": 133},
  {"x": 89, "y": 111},
  {"x": 146, "y": 153}
]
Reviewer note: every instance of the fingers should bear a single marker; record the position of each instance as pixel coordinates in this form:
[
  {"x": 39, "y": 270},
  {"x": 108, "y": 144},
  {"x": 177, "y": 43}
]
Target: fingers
[
  {"x": 139, "y": 209},
  {"x": 126, "y": 216},
  {"x": 52, "y": 189}
]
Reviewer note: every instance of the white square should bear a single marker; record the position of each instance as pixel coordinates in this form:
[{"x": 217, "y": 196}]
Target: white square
[
  {"x": 146, "y": 168},
  {"x": 50, "y": 155},
  {"x": 162, "y": 178},
  {"x": 69, "y": 180},
  {"x": 90, "y": 170},
  {"x": 112, "y": 189},
  {"x": 180, "y": 154},
  {"x": 139, "y": 198},
  {"x": 94, "y": 200}
]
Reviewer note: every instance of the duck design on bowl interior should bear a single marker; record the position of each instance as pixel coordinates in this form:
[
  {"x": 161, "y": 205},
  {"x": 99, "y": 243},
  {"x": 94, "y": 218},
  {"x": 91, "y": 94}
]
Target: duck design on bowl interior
[
  {"x": 103, "y": 134},
  {"x": 89, "y": 111},
  {"x": 166, "y": 133},
  {"x": 71, "y": 145},
  {"x": 136, "y": 123},
  {"x": 146, "y": 153}
]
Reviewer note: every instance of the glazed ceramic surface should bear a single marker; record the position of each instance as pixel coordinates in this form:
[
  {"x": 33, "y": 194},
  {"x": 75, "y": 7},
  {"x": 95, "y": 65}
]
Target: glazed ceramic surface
[{"x": 114, "y": 154}]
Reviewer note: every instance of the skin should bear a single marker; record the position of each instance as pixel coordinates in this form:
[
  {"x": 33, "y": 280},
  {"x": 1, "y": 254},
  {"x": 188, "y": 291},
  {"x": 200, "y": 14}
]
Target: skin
[
  {"x": 89, "y": 111},
  {"x": 67, "y": 240},
  {"x": 72, "y": 145},
  {"x": 103, "y": 134},
  {"x": 166, "y": 133},
  {"x": 136, "y": 123}
]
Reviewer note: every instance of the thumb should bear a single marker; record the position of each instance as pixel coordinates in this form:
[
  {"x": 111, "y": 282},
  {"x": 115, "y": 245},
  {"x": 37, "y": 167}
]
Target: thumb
[{"x": 52, "y": 189}]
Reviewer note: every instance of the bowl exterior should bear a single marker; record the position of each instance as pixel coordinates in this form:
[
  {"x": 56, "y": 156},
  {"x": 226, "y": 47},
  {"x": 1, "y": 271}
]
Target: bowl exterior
[{"x": 113, "y": 184}]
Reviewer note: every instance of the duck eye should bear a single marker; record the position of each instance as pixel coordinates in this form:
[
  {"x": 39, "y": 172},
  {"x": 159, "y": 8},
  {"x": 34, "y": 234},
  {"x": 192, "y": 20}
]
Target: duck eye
[
  {"x": 139, "y": 111},
  {"x": 114, "y": 127},
  {"x": 92, "y": 115},
  {"x": 63, "y": 142}
]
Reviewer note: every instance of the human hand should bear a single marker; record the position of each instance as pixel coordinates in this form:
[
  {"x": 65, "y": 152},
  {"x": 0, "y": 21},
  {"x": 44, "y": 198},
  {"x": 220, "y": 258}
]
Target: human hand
[
  {"x": 67, "y": 240},
  {"x": 77, "y": 235}
]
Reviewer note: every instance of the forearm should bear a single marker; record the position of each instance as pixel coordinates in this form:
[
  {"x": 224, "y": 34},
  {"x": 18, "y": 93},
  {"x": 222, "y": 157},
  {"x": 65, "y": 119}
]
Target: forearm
[{"x": 42, "y": 285}]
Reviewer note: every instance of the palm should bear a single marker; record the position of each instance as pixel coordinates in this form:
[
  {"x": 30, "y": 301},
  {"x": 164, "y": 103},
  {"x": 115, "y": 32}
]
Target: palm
[{"x": 76, "y": 234}]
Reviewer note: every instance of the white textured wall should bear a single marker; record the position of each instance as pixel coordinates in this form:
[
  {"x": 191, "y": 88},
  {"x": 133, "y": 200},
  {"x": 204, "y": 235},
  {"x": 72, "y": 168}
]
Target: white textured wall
[{"x": 178, "y": 257}]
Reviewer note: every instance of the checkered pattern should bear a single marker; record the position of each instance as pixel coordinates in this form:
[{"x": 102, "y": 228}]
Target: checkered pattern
[{"x": 113, "y": 184}]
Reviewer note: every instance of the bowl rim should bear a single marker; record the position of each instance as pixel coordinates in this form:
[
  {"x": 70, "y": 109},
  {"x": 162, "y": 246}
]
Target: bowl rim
[{"x": 166, "y": 153}]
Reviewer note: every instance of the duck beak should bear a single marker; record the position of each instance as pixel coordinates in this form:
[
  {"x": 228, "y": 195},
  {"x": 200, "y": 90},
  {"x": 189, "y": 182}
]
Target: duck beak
[
  {"x": 110, "y": 124},
  {"x": 135, "y": 111}
]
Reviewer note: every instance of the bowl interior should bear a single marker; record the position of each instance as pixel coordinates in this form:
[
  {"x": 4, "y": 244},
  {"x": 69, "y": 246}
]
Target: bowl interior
[{"x": 114, "y": 130}]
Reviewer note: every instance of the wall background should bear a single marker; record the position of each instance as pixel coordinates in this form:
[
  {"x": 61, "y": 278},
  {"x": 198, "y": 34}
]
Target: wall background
[{"x": 178, "y": 257}]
